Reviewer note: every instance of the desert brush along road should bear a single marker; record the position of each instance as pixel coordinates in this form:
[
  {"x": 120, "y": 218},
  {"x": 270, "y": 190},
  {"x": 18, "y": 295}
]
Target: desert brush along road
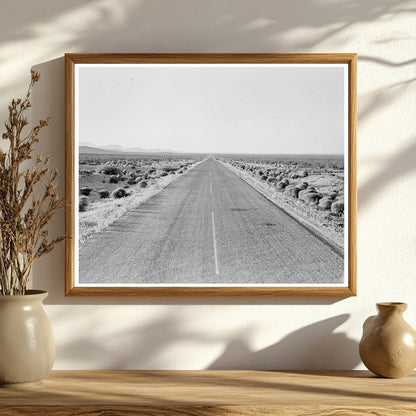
[{"x": 210, "y": 227}]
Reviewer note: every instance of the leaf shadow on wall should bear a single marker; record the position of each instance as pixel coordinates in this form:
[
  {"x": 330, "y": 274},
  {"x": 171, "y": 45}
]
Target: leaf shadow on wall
[
  {"x": 315, "y": 346},
  {"x": 392, "y": 170},
  {"x": 144, "y": 346},
  {"x": 188, "y": 26}
]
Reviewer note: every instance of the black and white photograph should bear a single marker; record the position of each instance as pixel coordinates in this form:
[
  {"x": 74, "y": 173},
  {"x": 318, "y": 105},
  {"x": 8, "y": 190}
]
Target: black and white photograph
[{"x": 211, "y": 175}]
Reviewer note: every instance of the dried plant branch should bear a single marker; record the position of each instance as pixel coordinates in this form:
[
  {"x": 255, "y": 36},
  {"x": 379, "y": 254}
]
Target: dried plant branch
[{"x": 24, "y": 217}]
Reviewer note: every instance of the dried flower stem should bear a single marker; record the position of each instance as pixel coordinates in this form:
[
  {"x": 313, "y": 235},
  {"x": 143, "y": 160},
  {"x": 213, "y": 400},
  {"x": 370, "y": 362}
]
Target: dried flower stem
[{"x": 23, "y": 217}]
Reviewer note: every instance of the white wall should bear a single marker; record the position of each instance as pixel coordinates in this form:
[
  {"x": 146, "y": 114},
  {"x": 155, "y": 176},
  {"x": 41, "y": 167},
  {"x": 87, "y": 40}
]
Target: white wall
[{"x": 196, "y": 333}]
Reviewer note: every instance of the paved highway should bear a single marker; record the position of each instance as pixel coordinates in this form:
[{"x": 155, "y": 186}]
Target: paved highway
[{"x": 208, "y": 226}]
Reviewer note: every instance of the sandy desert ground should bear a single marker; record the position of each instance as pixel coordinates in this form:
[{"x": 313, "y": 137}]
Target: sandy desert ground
[{"x": 210, "y": 225}]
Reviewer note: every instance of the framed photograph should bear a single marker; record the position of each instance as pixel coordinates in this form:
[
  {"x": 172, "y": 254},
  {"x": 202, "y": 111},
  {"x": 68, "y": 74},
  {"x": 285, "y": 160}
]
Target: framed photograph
[{"x": 211, "y": 174}]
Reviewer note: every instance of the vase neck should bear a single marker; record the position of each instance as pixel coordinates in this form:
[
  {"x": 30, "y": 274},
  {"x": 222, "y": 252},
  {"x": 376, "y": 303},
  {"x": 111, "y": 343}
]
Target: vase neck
[
  {"x": 390, "y": 308},
  {"x": 35, "y": 296}
]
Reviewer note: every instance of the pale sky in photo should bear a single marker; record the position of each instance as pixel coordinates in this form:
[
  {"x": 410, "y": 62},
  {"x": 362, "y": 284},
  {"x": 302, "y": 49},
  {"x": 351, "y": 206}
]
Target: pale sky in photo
[{"x": 211, "y": 109}]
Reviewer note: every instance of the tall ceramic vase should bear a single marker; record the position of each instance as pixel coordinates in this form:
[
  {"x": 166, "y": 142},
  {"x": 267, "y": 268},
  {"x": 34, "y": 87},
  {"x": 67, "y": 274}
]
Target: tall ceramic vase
[
  {"x": 388, "y": 344},
  {"x": 27, "y": 347}
]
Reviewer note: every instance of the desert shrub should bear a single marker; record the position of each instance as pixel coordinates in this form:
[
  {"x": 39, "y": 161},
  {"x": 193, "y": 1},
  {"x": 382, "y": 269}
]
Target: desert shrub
[
  {"x": 312, "y": 198},
  {"x": 325, "y": 203},
  {"x": 114, "y": 179},
  {"x": 302, "y": 185},
  {"x": 288, "y": 188},
  {"x": 260, "y": 173},
  {"x": 285, "y": 180},
  {"x": 295, "y": 192},
  {"x": 143, "y": 184},
  {"x": 337, "y": 207},
  {"x": 146, "y": 176},
  {"x": 86, "y": 172},
  {"x": 85, "y": 190},
  {"x": 264, "y": 178},
  {"x": 83, "y": 203},
  {"x": 281, "y": 186},
  {"x": 131, "y": 181},
  {"x": 111, "y": 170},
  {"x": 271, "y": 181},
  {"x": 302, "y": 194},
  {"x": 169, "y": 169},
  {"x": 103, "y": 193},
  {"x": 126, "y": 186},
  {"x": 292, "y": 191},
  {"x": 119, "y": 193},
  {"x": 164, "y": 174}
]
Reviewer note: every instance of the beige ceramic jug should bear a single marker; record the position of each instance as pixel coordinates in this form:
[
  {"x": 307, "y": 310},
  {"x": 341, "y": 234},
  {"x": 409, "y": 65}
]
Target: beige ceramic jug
[{"x": 388, "y": 344}]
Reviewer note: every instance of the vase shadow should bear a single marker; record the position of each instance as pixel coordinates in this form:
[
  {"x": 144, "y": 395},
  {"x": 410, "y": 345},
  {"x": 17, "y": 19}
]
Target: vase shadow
[{"x": 313, "y": 347}]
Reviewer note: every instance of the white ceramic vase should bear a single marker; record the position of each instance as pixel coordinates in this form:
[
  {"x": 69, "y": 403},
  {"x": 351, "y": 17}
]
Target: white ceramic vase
[{"x": 27, "y": 347}]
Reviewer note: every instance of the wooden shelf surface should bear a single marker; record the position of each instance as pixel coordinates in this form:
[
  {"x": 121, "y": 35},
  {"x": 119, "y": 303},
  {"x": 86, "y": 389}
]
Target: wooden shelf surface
[{"x": 202, "y": 393}]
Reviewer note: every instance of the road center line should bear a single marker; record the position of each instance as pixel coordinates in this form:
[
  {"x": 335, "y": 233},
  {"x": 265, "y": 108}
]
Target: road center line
[
  {"x": 211, "y": 187},
  {"x": 215, "y": 243}
]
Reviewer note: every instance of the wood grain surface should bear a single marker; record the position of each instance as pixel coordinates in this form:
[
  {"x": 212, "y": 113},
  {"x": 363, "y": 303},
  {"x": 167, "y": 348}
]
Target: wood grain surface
[{"x": 202, "y": 393}]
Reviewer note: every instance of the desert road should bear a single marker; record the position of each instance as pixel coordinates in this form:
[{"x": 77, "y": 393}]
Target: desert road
[{"x": 208, "y": 226}]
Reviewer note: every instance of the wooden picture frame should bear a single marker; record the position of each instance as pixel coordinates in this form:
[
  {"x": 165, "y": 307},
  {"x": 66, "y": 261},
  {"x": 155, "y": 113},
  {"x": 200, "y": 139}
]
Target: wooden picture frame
[{"x": 96, "y": 81}]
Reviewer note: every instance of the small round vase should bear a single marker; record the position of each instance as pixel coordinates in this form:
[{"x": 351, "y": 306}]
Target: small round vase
[
  {"x": 27, "y": 347},
  {"x": 388, "y": 345}
]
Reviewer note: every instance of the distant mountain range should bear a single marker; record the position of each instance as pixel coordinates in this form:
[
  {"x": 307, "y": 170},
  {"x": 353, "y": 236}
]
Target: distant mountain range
[{"x": 87, "y": 147}]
